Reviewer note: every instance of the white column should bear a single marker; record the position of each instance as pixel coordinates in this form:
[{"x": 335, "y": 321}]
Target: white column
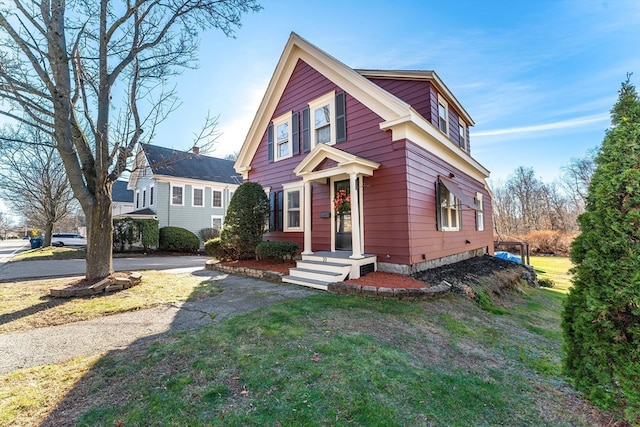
[
  {"x": 355, "y": 217},
  {"x": 307, "y": 219}
]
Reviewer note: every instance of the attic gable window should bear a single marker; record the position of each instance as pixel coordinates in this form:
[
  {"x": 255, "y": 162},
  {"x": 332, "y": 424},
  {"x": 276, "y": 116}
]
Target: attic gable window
[{"x": 323, "y": 118}]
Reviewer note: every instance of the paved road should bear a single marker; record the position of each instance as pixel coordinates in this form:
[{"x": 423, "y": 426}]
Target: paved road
[
  {"x": 10, "y": 247},
  {"x": 17, "y": 270}
]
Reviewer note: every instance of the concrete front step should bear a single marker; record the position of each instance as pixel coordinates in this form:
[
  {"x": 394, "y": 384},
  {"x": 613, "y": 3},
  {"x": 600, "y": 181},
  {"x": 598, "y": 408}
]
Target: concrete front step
[
  {"x": 311, "y": 283},
  {"x": 324, "y": 276},
  {"x": 335, "y": 267}
]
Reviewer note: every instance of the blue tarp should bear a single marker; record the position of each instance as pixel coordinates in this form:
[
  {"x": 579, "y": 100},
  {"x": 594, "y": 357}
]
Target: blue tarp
[{"x": 508, "y": 256}]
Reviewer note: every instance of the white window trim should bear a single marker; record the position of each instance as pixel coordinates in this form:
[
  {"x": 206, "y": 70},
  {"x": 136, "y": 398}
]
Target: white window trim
[
  {"x": 329, "y": 98},
  {"x": 137, "y": 199},
  {"x": 454, "y": 207},
  {"x": 285, "y": 118},
  {"x": 152, "y": 200},
  {"x": 479, "y": 213},
  {"x": 221, "y": 197},
  {"x": 220, "y": 217},
  {"x": 193, "y": 196},
  {"x": 464, "y": 136},
  {"x": 171, "y": 187},
  {"x": 286, "y": 189},
  {"x": 144, "y": 197},
  {"x": 445, "y": 104}
]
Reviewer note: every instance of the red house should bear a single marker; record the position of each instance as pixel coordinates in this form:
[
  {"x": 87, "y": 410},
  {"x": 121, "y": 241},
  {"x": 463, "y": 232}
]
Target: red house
[{"x": 365, "y": 169}]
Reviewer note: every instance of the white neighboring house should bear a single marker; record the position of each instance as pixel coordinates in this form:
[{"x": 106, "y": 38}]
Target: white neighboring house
[
  {"x": 122, "y": 198},
  {"x": 182, "y": 189}
]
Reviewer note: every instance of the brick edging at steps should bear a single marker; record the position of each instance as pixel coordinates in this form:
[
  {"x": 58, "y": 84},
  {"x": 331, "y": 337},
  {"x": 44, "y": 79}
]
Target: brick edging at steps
[{"x": 339, "y": 288}]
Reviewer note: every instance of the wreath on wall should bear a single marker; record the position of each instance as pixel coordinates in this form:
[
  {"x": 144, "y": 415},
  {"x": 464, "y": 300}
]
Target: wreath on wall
[{"x": 342, "y": 202}]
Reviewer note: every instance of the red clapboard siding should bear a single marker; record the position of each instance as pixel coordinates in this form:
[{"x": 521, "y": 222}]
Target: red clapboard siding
[{"x": 415, "y": 93}]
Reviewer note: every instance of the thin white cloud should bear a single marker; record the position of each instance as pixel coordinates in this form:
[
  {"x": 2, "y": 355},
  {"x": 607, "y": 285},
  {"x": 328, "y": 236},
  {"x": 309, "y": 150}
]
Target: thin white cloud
[{"x": 563, "y": 124}]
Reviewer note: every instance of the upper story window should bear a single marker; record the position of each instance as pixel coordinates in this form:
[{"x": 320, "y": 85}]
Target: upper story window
[
  {"x": 462, "y": 135},
  {"x": 282, "y": 137},
  {"x": 216, "y": 198},
  {"x": 144, "y": 198},
  {"x": 177, "y": 195},
  {"x": 443, "y": 115},
  {"x": 137, "y": 199},
  {"x": 198, "y": 196},
  {"x": 323, "y": 118},
  {"x": 151, "y": 201}
]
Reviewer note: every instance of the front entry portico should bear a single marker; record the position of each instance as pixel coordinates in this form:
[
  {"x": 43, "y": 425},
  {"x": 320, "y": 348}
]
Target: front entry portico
[
  {"x": 346, "y": 172},
  {"x": 346, "y": 167}
]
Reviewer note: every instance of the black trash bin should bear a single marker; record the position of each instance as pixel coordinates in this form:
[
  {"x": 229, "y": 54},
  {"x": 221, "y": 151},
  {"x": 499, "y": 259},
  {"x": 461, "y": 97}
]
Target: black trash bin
[{"x": 36, "y": 242}]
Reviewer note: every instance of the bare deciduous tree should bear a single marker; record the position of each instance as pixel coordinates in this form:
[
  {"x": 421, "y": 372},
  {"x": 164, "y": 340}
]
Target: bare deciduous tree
[
  {"x": 33, "y": 180},
  {"x": 66, "y": 65},
  {"x": 577, "y": 177}
]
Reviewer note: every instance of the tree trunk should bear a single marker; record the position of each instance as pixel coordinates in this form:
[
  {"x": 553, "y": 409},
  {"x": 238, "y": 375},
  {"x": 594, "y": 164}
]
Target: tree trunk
[
  {"x": 100, "y": 237},
  {"x": 48, "y": 230}
]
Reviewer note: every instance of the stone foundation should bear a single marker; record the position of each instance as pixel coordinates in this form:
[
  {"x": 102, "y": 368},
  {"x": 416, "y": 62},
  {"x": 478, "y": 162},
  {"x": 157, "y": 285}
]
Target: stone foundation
[
  {"x": 342, "y": 288},
  {"x": 427, "y": 265}
]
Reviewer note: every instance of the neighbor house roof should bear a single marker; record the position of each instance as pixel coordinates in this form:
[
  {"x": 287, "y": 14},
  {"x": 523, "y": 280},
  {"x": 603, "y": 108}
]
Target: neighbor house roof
[
  {"x": 119, "y": 192},
  {"x": 180, "y": 164}
]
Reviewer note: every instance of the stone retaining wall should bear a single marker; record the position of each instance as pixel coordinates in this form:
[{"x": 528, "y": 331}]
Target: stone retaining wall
[
  {"x": 342, "y": 288},
  {"x": 270, "y": 276}
]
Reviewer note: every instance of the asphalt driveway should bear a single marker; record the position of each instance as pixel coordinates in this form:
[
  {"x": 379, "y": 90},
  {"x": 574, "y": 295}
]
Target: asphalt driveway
[
  {"x": 59, "y": 343},
  {"x": 22, "y": 270}
]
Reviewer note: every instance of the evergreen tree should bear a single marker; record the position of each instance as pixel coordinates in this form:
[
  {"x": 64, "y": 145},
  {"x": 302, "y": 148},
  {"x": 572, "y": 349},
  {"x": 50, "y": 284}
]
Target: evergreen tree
[
  {"x": 244, "y": 223},
  {"x": 601, "y": 318}
]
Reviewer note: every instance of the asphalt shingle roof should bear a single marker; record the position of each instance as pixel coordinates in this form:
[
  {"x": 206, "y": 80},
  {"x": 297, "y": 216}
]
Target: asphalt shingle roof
[
  {"x": 119, "y": 192},
  {"x": 167, "y": 161}
]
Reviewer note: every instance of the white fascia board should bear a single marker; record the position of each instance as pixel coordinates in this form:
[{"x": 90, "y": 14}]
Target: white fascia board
[
  {"x": 416, "y": 129},
  {"x": 194, "y": 182}
]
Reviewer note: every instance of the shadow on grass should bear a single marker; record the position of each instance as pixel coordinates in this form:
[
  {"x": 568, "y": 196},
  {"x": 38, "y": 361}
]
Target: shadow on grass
[
  {"x": 47, "y": 303},
  {"x": 97, "y": 389}
]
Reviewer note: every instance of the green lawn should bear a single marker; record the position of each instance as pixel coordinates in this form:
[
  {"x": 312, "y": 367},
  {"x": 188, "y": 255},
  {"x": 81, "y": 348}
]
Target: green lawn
[
  {"x": 324, "y": 360},
  {"x": 554, "y": 268}
]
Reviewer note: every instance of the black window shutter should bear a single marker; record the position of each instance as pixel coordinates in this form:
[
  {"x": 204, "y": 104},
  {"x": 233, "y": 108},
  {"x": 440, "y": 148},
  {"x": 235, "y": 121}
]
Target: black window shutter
[
  {"x": 270, "y": 143},
  {"x": 438, "y": 208},
  {"x": 341, "y": 119},
  {"x": 280, "y": 210},
  {"x": 295, "y": 134},
  {"x": 306, "y": 136},
  {"x": 272, "y": 211}
]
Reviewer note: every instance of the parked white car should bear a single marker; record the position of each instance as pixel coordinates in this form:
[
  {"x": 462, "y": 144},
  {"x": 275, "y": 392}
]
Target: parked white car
[{"x": 68, "y": 239}]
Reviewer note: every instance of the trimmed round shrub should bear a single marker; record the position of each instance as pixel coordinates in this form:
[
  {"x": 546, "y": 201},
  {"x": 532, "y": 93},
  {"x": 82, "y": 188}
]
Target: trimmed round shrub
[
  {"x": 277, "y": 250},
  {"x": 178, "y": 239}
]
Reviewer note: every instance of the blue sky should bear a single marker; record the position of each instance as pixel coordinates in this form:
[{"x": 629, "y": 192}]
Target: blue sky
[{"x": 537, "y": 77}]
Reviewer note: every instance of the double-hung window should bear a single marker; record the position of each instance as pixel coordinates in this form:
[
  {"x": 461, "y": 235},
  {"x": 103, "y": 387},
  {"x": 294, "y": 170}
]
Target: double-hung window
[
  {"x": 151, "y": 201},
  {"x": 479, "y": 212},
  {"x": 282, "y": 137},
  {"x": 293, "y": 202},
  {"x": 198, "y": 196},
  {"x": 462, "y": 135},
  {"x": 144, "y": 198},
  {"x": 216, "y": 198},
  {"x": 449, "y": 210},
  {"x": 216, "y": 222},
  {"x": 443, "y": 115},
  {"x": 177, "y": 195},
  {"x": 137, "y": 199},
  {"x": 323, "y": 118}
]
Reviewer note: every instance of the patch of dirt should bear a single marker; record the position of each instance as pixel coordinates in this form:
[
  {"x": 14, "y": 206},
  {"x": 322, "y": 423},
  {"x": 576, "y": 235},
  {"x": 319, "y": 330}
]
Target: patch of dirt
[
  {"x": 470, "y": 270},
  {"x": 380, "y": 279}
]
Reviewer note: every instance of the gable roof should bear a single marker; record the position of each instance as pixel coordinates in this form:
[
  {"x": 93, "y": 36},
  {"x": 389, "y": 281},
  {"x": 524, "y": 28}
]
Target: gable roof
[
  {"x": 180, "y": 164},
  {"x": 119, "y": 192},
  {"x": 397, "y": 115}
]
